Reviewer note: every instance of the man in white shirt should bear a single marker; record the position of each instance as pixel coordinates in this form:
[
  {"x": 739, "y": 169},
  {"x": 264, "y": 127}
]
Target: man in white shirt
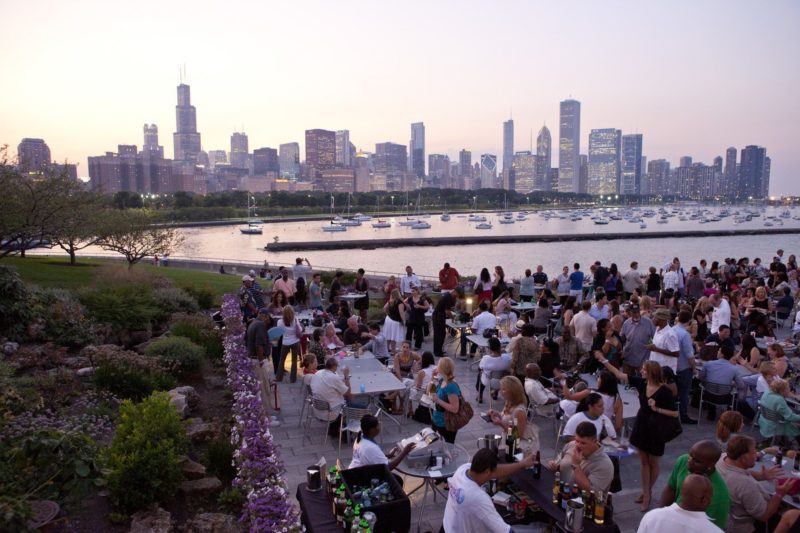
[
  {"x": 665, "y": 347},
  {"x": 327, "y": 385},
  {"x": 469, "y": 509},
  {"x": 689, "y": 516},
  {"x": 494, "y": 361},
  {"x": 721, "y": 313},
  {"x": 408, "y": 282},
  {"x": 544, "y": 400},
  {"x": 584, "y": 326},
  {"x": 671, "y": 279},
  {"x": 483, "y": 321},
  {"x": 367, "y": 452}
]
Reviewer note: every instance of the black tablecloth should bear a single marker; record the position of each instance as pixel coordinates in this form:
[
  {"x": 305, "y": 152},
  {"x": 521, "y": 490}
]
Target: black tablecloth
[
  {"x": 316, "y": 512},
  {"x": 541, "y": 491}
]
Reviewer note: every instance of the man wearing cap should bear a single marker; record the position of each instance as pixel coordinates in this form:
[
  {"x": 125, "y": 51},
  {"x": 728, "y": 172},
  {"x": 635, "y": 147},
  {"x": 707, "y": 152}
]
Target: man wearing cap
[
  {"x": 636, "y": 334},
  {"x": 250, "y": 300},
  {"x": 665, "y": 348},
  {"x": 258, "y": 349}
]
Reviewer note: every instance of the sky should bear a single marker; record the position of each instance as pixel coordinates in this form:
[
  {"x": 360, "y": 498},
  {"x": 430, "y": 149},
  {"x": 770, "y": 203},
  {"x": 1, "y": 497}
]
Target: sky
[{"x": 693, "y": 76}]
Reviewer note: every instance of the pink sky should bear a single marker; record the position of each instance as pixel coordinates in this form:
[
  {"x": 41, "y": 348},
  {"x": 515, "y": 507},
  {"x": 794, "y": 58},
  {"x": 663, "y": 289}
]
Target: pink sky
[{"x": 693, "y": 77}]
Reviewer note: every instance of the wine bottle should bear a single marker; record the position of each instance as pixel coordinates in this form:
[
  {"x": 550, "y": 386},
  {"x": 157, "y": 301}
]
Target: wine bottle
[
  {"x": 509, "y": 445},
  {"x": 537, "y": 466},
  {"x": 588, "y": 505},
  {"x": 557, "y": 489},
  {"x": 349, "y": 515}
]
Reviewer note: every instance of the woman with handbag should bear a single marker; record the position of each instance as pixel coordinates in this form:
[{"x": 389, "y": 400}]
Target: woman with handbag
[
  {"x": 449, "y": 402},
  {"x": 656, "y": 422},
  {"x": 292, "y": 331}
]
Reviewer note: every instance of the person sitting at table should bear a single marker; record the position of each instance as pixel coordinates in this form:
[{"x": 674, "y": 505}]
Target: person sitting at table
[
  {"x": 750, "y": 355},
  {"x": 524, "y": 349},
  {"x": 777, "y": 355},
  {"x": 422, "y": 381},
  {"x": 309, "y": 367},
  {"x": 542, "y": 399},
  {"x": 469, "y": 508},
  {"x": 541, "y": 316},
  {"x": 495, "y": 361},
  {"x": 775, "y": 400},
  {"x": 689, "y": 516},
  {"x": 341, "y": 315},
  {"x": 515, "y": 413},
  {"x": 330, "y": 340},
  {"x": 327, "y": 385},
  {"x": 722, "y": 337},
  {"x": 572, "y": 395},
  {"x": 367, "y": 452},
  {"x": 723, "y": 371},
  {"x": 501, "y": 306},
  {"x": 583, "y": 461},
  {"x": 590, "y": 409},
  {"x": 403, "y": 365},
  {"x": 377, "y": 343},
  {"x": 316, "y": 348},
  {"x": 446, "y": 398},
  {"x": 701, "y": 460},
  {"x": 482, "y": 320},
  {"x": 758, "y": 384},
  {"x": 750, "y": 501},
  {"x": 355, "y": 332},
  {"x": 571, "y": 352}
]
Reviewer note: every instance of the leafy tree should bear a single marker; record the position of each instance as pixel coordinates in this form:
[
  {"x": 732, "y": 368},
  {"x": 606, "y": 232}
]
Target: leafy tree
[
  {"x": 127, "y": 200},
  {"x": 135, "y": 234},
  {"x": 81, "y": 222}
]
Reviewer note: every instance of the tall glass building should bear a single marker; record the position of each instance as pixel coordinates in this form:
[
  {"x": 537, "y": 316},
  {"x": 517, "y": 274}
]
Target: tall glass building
[
  {"x": 631, "y": 181},
  {"x": 604, "y": 159},
  {"x": 569, "y": 146}
]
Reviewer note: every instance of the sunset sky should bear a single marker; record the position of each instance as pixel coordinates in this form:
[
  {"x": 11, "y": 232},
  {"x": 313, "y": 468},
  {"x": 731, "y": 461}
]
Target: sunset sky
[{"x": 693, "y": 76}]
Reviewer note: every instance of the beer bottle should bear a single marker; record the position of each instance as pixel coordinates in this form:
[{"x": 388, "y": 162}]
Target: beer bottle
[
  {"x": 515, "y": 435},
  {"x": 599, "y": 508},
  {"x": 349, "y": 515},
  {"x": 779, "y": 457},
  {"x": 557, "y": 489},
  {"x": 565, "y": 495},
  {"x": 537, "y": 465}
]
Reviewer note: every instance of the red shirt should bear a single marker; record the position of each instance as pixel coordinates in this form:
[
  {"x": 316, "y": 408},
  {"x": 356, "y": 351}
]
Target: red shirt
[{"x": 448, "y": 278}]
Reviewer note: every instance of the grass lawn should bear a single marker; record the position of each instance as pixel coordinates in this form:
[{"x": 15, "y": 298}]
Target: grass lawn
[{"x": 57, "y": 272}]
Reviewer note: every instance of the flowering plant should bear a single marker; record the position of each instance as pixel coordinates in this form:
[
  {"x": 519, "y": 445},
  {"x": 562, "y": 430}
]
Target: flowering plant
[{"x": 259, "y": 469}]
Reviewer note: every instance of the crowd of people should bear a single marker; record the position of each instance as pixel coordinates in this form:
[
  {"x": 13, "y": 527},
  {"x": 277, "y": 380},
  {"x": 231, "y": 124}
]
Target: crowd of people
[{"x": 667, "y": 332}]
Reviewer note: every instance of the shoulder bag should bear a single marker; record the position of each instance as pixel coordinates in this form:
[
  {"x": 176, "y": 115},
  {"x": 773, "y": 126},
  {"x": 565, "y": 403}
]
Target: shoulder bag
[{"x": 455, "y": 421}]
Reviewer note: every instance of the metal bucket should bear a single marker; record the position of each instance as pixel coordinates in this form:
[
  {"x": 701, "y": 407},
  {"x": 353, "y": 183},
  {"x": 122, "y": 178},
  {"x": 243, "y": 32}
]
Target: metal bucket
[{"x": 490, "y": 442}]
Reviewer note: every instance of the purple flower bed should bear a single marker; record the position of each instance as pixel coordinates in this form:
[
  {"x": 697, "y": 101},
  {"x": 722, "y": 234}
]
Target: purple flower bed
[{"x": 259, "y": 467}]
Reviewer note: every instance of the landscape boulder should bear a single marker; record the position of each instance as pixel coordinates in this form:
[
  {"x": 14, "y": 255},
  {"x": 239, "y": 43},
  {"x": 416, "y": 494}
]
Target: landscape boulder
[
  {"x": 151, "y": 521},
  {"x": 213, "y": 523},
  {"x": 85, "y": 372},
  {"x": 9, "y": 348},
  {"x": 200, "y": 488},
  {"x": 198, "y": 431},
  {"x": 193, "y": 470}
]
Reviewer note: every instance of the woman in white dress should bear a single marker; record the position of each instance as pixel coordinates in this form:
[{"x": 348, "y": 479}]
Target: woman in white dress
[{"x": 394, "y": 328}]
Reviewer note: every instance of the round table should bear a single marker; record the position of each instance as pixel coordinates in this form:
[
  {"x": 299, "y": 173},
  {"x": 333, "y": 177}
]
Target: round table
[{"x": 459, "y": 456}]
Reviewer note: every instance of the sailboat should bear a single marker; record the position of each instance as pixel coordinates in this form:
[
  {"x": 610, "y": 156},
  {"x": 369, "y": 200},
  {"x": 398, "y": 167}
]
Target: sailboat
[
  {"x": 506, "y": 217},
  {"x": 408, "y": 221},
  {"x": 348, "y": 221},
  {"x": 333, "y": 226},
  {"x": 254, "y": 226}
]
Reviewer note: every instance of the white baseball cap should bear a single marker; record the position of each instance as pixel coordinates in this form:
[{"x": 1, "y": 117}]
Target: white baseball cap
[{"x": 246, "y": 278}]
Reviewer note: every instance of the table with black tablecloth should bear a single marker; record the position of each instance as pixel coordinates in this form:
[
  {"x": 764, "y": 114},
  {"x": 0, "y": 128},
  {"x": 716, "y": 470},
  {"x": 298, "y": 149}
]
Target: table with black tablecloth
[
  {"x": 316, "y": 512},
  {"x": 541, "y": 491}
]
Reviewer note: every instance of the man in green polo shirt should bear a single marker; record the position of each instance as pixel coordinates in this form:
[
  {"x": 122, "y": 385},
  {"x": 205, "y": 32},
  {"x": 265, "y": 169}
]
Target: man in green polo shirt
[{"x": 702, "y": 460}]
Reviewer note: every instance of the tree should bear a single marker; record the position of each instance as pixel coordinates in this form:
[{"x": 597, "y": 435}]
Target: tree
[
  {"x": 81, "y": 223},
  {"x": 127, "y": 200},
  {"x": 135, "y": 234}
]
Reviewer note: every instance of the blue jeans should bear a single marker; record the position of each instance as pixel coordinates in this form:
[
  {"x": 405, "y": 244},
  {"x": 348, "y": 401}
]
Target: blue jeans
[{"x": 683, "y": 379}]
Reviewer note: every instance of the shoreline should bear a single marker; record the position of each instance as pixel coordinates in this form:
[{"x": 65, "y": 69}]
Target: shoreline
[{"x": 370, "y": 244}]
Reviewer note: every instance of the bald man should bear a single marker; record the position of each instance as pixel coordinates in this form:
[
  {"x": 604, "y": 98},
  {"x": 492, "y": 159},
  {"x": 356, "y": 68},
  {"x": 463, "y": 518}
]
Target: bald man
[
  {"x": 701, "y": 460},
  {"x": 688, "y": 516}
]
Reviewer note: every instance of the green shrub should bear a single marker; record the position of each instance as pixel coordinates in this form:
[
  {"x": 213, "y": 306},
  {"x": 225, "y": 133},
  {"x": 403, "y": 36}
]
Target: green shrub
[
  {"x": 231, "y": 500},
  {"x": 201, "y": 330},
  {"x": 144, "y": 458},
  {"x": 128, "y": 307},
  {"x": 204, "y": 295},
  {"x": 15, "y": 304},
  {"x": 63, "y": 318},
  {"x": 17, "y": 395},
  {"x": 180, "y": 350},
  {"x": 130, "y": 375},
  {"x": 174, "y": 300},
  {"x": 219, "y": 457}
]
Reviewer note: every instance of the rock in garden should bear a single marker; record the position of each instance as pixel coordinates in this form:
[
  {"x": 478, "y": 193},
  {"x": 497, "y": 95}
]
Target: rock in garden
[
  {"x": 151, "y": 521},
  {"x": 77, "y": 362},
  {"x": 193, "y": 470},
  {"x": 178, "y": 401},
  {"x": 139, "y": 336},
  {"x": 85, "y": 372},
  {"x": 201, "y": 487},
  {"x": 10, "y": 347},
  {"x": 213, "y": 523},
  {"x": 192, "y": 398},
  {"x": 198, "y": 431}
]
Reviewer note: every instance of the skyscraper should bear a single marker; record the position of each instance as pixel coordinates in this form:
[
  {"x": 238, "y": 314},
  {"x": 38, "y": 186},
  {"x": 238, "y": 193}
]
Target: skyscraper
[
  {"x": 631, "y": 181},
  {"x": 524, "y": 168},
  {"x": 265, "y": 160},
  {"x": 33, "y": 155},
  {"x": 320, "y": 151},
  {"x": 361, "y": 163},
  {"x": 544, "y": 151},
  {"x": 151, "y": 146},
  {"x": 731, "y": 173},
  {"x": 439, "y": 170},
  {"x": 416, "y": 150},
  {"x": 583, "y": 174},
  {"x": 753, "y": 173},
  {"x": 488, "y": 171},
  {"x": 391, "y": 162},
  {"x": 186, "y": 139},
  {"x": 658, "y": 175},
  {"x": 508, "y": 144},
  {"x": 464, "y": 163},
  {"x": 240, "y": 150},
  {"x": 343, "y": 148},
  {"x": 685, "y": 161},
  {"x": 569, "y": 146},
  {"x": 289, "y": 159},
  {"x": 604, "y": 148}
]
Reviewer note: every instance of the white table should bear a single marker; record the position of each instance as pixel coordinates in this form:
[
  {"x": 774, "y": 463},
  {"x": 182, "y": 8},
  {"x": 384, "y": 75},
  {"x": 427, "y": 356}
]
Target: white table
[
  {"x": 462, "y": 328},
  {"x": 369, "y": 377},
  {"x": 482, "y": 342},
  {"x": 769, "y": 486}
]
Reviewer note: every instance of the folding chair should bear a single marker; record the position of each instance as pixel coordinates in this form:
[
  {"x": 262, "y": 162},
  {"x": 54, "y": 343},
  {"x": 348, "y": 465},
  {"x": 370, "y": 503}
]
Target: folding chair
[
  {"x": 775, "y": 417},
  {"x": 494, "y": 383},
  {"x": 306, "y": 401},
  {"x": 718, "y": 391},
  {"x": 324, "y": 409}
]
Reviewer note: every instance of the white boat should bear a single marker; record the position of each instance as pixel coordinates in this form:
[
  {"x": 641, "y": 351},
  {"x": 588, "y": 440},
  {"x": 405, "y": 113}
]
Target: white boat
[
  {"x": 484, "y": 225},
  {"x": 350, "y": 222},
  {"x": 521, "y": 217},
  {"x": 601, "y": 221},
  {"x": 361, "y": 217},
  {"x": 254, "y": 226},
  {"x": 408, "y": 222},
  {"x": 382, "y": 224},
  {"x": 421, "y": 225},
  {"x": 444, "y": 217},
  {"x": 476, "y": 218},
  {"x": 334, "y": 227},
  {"x": 643, "y": 225},
  {"x": 662, "y": 221},
  {"x": 506, "y": 219},
  {"x": 767, "y": 223}
]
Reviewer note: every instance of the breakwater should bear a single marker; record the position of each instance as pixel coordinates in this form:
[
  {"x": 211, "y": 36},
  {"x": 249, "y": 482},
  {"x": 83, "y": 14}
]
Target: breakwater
[{"x": 369, "y": 244}]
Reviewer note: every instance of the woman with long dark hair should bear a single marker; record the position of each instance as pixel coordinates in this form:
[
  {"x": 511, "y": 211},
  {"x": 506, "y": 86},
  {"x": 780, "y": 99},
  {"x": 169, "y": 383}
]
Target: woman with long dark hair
[{"x": 483, "y": 287}]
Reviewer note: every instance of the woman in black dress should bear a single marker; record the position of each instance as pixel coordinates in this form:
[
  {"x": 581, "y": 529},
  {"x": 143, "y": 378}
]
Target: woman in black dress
[{"x": 656, "y": 422}]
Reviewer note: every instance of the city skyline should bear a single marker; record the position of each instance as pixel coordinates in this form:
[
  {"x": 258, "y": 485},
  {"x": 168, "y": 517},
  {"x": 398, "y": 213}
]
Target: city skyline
[{"x": 734, "y": 108}]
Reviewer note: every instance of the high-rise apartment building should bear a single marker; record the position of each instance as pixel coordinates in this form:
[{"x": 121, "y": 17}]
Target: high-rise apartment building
[
  {"x": 320, "y": 151},
  {"x": 391, "y": 163},
  {"x": 289, "y": 159},
  {"x": 685, "y": 161},
  {"x": 658, "y": 176},
  {"x": 465, "y": 163},
  {"x": 265, "y": 160},
  {"x": 343, "y": 158},
  {"x": 338, "y": 180},
  {"x": 569, "y": 146},
  {"x": 524, "y": 168},
  {"x": 416, "y": 150},
  {"x": 217, "y": 157},
  {"x": 604, "y": 160},
  {"x": 186, "y": 139},
  {"x": 730, "y": 172},
  {"x": 583, "y": 174},
  {"x": 439, "y": 170},
  {"x": 631, "y": 172},
  {"x": 240, "y": 150},
  {"x": 544, "y": 151},
  {"x": 363, "y": 173},
  {"x": 753, "y": 173},
  {"x": 508, "y": 144},
  {"x": 151, "y": 146},
  {"x": 488, "y": 171},
  {"x": 33, "y": 155}
]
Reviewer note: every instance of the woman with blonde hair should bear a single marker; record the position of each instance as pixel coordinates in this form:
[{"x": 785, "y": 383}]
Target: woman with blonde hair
[
  {"x": 292, "y": 331},
  {"x": 515, "y": 413},
  {"x": 646, "y": 306},
  {"x": 729, "y": 423},
  {"x": 446, "y": 398},
  {"x": 775, "y": 400},
  {"x": 394, "y": 328}
]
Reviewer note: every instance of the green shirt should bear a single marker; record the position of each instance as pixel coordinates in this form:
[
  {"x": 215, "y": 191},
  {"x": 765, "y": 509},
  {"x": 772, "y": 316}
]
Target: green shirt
[{"x": 720, "y": 498}]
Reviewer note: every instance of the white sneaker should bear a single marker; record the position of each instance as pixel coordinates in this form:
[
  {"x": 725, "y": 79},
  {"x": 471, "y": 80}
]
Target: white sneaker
[{"x": 274, "y": 421}]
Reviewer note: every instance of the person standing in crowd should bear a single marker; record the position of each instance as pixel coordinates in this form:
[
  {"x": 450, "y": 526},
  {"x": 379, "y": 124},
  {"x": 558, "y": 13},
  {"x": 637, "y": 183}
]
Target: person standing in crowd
[
  {"x": 653, "y": 283},
  {"x": 664, "y": 349},
  {"x": 408, "y": 282},
  {"x": 524, "y": 349},
  {"x": 611, "y": 282},
  {"x": 652, "y": 428},
  {"x": 584, "y": 326},
  {"x": 389, "y": 287},
  {"x": 576, "y": 283},
  {"x": 250, "y": 300},
  {"x": 562, "y": 285},
  {"x": 447, "y": 398},
  {"x": 259, "y": 349},
  {"x": 539, "y": 280},
  {"x": 286, "y": 285},
  {"x": 583, "y": 461},
  {"x": 361, "y": 284},
  {"x": 600, "y": 275},
  {"x": 483, "y": 286},
  {"x": 336, "y": 287},
  {"x": 417, "y": 306},
  {"x": 302, "y": 278},
  {"x": 695, "y": 284},
  {"x": 637, "y": 332},
  {"x": 721, "y": 312},
  {"x": 444, "y": 310},
  {"x": 690, "y": 515},
  {"x": 394, "y": 324},
  {"x": 685, "y": 365},
  {"x": 292, "y": 331},
  {"x": 448, "y": 278},
  {"x": 632, "y": 282},
  {"x": 499, "y": 283},
  {"x": 315, "y": 292},
  {"x": 701, "y": 460},
  {"x": 526, "y": 290},
  {"x": 600, "y": 308}
]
